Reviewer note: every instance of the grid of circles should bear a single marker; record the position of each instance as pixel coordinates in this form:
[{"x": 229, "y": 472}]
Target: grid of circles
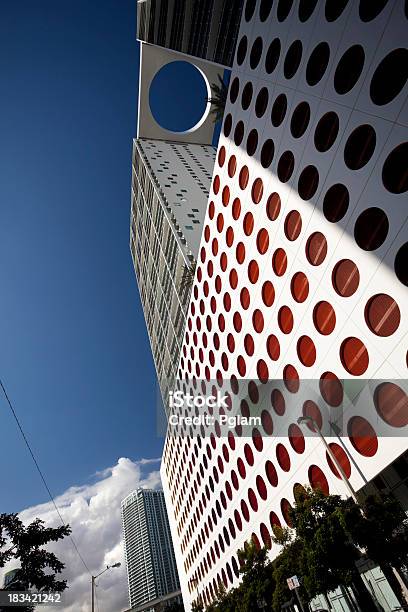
[{"x": 233, "y": 292}]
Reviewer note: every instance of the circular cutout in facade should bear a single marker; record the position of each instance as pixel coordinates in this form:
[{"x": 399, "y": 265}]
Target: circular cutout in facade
[
  {"x": 336, "y": 202},
  {"x": 267, "y": 153},
  {"x": 345, "y": 278},
  {"x": 382, "y": 315},
  {"x": 389, "y": 77},
  {"x": 181, "y": 113},
  {"x": 292, "y": 59},
  {"x": 326, "y": 132},
  {"x": 349, "y": 69},
  {"x": 371, "y": 229},
  {"x": 308, "y": 182},
  {"x": 300, "y": 120},
  {"x": 272, "y": 55},
  {"x": 354, "y": 356},
  {"x": 360, "y": 147},
  {"x": 401, "y": 264},
  {"x": 395, "y": 174},
  {"x": 279, "y": 110},
  {"x": 362, "y": 436},
  {"x": 317, "y": 63},
  {"x": 391, "y": 403}
]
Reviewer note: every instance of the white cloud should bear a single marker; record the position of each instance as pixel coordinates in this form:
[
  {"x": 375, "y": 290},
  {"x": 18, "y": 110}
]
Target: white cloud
[{"x": 93, "y": 512}]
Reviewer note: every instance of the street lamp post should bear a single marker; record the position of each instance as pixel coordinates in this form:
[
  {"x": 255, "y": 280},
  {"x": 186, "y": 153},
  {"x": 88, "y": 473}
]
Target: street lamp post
[
  {"x": 311, "y": 420},
  {"x": 93, "y": 578}
]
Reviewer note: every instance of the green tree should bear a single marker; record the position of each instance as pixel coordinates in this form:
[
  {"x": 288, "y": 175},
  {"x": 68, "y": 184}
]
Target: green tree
[
  {"x": 257, "y": 585},
  {"x": 218, "y": 99},
  {"x": 285, "y": 565},
  {"x": 380, "y": 527},
  {"x": 328, "y": 554},
  {"x": 38, "y": 568}
]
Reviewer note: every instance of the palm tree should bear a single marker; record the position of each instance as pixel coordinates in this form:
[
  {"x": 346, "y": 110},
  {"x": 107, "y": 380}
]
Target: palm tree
[
  {"x": 218, "y": 99},
  {"x": 187, "y": 279}
]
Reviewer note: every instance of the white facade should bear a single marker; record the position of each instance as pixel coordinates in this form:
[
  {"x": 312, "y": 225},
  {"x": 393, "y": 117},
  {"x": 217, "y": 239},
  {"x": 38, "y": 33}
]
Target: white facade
[
  {"x": 150, "y": 562},
  {"x": 170, "y": 185},
  {"x": 304, "y": 251}
]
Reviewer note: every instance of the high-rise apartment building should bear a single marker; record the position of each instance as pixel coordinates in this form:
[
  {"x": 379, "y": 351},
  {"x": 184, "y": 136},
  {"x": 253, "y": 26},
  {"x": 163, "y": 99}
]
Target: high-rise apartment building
[
  {"x": 170, "y": 185},
  {"x": 299, "y": 299},
  {"x": 205, "y": 29},
  {"x": 150, "y": 562}
]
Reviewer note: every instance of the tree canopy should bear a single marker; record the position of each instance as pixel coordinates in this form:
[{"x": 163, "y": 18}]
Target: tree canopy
[{"x": 37, "y": 567}]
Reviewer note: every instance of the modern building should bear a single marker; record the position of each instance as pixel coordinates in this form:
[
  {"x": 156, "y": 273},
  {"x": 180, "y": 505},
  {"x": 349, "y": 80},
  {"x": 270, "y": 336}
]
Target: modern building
[
  {"x": 307, "y": 285},
  {"x": 150, "y": 562},
  {"x": 206, "y": 29},
  {"x": 170, "y": 186}
]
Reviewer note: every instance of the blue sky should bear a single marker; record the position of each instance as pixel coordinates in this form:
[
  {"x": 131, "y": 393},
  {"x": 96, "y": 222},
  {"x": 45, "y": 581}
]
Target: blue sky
[{"x": 74, "y": 352}]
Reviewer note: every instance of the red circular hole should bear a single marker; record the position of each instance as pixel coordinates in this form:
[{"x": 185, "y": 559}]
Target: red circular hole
[
  {"x": 286, "y": 510},
  {"x": 262, "y": 371},
  {"x": 331, "y": 389},
  {"x": 257, "y": 190},
  {"x": 391, "y": 403},
  {"x": 233, "y": 278},
  {"x": 285, "y": 319},
  {"x": 261, "y": 486},
  {"x": 262, "y": 241},
  {"x": 225, "y": 195},
  {"x": 237, "y": 320},
  {"x": 245, "y": 298},
  {"x": 258, "y": 321},
  {"x": 296, "y": 438},
  {"x": 243, "y": 177},
  {"x": 273, "y": 206},
  {"x": 221, "y": 156},
  {"x": 253, "y": 271},
  {"x": 362, "y": 436},
  {"x": 282, "y": 456},
  {"x": 293, "y": 225},
  {"x": 267, "y": 422},
  {"x": 249, "y": 344},
  {"x": 354, "y": 356},
  {"x": 266, "y": 536},
  {"x": 240, "y": 252},
  {"x": 232, "y": 165},
  {"x": 252, "y": 500},
  {"x": 279, "y": 262},
  {"x": 324, "y": 318},
  {"x": 291, "y": 378},
  {"x": 271, "y": 473},
  {"x": 317, "y": 479},
  {"x": 216, "y": 184},
  {"x": 310, "y": 409},
  {"x": 382, "y": 315},
  {"x": 273, "y": 347},
  {"x": 345, "y": 278},
  {"x": 341, "y": 458},
  {"x": 278, "y": 402},
  {"x": 241, "y": 365},
  {"x": 306, "y": 351},
  {"x": 229, "y": 236},
  {"x": 236, "y": 208},
  {"x": 268, "y": 293},
  {"x": 299, "y": 287},
  {"x": 316, "y": 249},
  {"x": 248, "y": 223},
  {"x": 220, "y": 222}
]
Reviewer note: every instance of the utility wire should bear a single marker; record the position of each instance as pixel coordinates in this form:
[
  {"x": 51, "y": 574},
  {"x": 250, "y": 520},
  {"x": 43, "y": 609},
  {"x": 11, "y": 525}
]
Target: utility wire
[{"x": 40, "y": 472}]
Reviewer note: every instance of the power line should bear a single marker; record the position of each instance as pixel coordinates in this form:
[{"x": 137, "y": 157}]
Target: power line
[{"x": 40, "y": 472}]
